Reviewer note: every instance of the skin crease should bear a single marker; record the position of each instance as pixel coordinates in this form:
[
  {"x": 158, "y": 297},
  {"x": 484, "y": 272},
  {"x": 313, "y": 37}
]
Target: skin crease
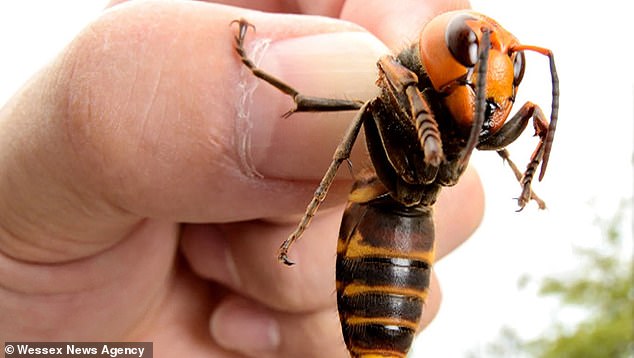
[{"x": 130, "y": 132}]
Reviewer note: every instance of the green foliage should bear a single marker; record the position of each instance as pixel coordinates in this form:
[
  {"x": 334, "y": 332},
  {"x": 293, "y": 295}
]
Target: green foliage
[{"x": 602, "y": 287}]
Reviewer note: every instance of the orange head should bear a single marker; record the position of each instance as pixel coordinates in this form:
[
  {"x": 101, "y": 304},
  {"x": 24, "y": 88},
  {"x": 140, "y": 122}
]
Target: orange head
[{"x": 449, "y": 48}]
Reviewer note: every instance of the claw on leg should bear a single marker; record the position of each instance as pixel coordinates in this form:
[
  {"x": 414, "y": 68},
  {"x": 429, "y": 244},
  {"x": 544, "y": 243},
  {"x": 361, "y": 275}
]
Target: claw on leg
[{"x": 527, "y": 193}]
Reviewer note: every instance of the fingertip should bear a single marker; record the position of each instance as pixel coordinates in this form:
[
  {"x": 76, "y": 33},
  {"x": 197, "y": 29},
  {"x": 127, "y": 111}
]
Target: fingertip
[{"x": 241, "y": 325}]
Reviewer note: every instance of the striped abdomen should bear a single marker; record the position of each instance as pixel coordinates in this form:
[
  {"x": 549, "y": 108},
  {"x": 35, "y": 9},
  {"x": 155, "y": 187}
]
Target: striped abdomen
[{"x": 384, "y": 259}]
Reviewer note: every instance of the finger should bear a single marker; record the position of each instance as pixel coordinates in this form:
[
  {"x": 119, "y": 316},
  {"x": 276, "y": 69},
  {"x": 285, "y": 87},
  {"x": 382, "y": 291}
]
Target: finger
[
  {"x": 245, "y": 326},
  {"x": 397, "y": 24},
  {"x": 243, "y": 257},
  {"x": 138, "y": 117}
]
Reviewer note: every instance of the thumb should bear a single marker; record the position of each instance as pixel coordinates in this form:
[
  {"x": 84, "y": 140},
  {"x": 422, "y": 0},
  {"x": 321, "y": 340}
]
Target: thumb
[
  {"x": 322, "y": 64},
  {"x": 143, "y": 116}
]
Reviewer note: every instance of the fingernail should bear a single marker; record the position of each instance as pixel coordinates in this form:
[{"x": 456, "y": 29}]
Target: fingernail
[
  {"x": 239, "y": 325},
  {"x": 331, "y": 65}
]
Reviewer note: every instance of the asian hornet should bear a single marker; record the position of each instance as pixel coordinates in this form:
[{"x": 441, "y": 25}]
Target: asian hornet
[{"x": 449, "y": 92}]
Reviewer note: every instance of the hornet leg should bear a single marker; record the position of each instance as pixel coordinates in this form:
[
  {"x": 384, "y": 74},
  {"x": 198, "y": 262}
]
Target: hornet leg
[
  {"x": 518, "y": 175},
  {"x": 302, "y": 103},
  {"x": 509, "y": 133},
  {"x": 341, "y": 154}
]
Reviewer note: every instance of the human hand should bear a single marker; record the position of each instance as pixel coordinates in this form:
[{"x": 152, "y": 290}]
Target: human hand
[{"x": 136, "y": 128}]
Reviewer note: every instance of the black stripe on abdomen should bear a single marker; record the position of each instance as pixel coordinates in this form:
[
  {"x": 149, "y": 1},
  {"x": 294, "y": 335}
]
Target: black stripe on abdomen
[
  {"x": 391, "y": 341},
  {"x": 384, "y": 271}
]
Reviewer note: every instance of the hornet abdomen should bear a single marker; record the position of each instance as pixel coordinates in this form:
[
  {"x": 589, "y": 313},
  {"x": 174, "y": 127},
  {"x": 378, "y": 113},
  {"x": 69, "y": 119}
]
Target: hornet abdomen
[{"x": 384, "y": 258}]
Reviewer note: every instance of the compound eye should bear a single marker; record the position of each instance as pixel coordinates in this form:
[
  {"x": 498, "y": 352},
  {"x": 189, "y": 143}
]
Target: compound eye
[
  {"x": 462, "y": 41},
  {"x": 519, "y": 64}
]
